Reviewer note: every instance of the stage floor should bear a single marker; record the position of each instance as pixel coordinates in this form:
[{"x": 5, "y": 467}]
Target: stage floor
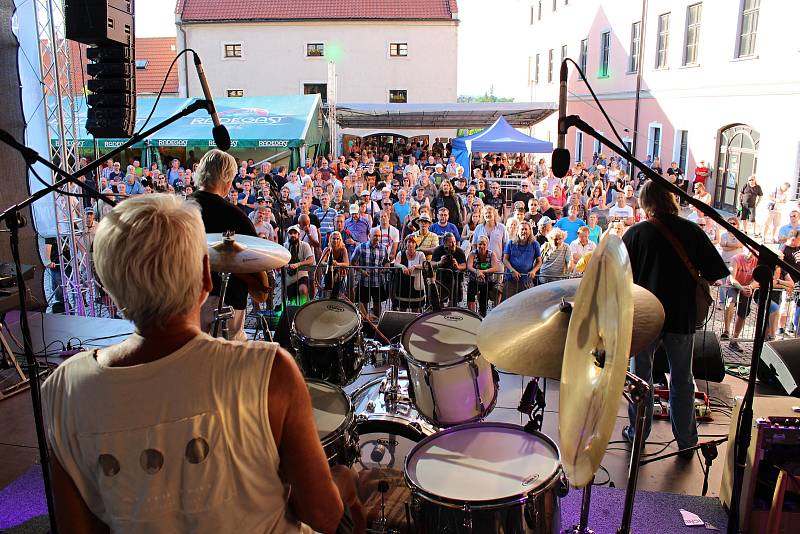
[{"x": 18, "y": 446}]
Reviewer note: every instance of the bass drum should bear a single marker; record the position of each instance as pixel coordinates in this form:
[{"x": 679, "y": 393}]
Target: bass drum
[
  {"x": 386, "y": 433},
  {"x": 326, "y": 336},
  {"x": 485, "y": 477},
  {"x": 333, "y": 415}
]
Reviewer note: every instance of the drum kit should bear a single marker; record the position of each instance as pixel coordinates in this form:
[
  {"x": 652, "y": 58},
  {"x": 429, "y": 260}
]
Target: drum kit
[{"x": 418, "y": 433}]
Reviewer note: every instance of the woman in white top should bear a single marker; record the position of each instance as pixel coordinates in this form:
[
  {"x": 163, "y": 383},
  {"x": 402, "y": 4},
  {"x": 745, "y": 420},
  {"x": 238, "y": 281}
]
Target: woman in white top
[
  {"x": 409, "y": 291},
  {"x": 492, "y": 229},
  {"x": 173, "y": 430}
]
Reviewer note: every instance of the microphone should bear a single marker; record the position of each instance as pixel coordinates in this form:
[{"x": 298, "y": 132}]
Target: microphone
[
  {"x": 560, "y": 160},
  {"x": 221, "y": 136}
]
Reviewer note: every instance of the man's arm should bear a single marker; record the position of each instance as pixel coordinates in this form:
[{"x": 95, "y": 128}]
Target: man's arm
[{"x": 72, "y": 514}]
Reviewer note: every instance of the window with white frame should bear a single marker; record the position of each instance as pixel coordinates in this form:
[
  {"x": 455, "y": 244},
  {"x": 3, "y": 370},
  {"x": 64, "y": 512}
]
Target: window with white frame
[
  {"x": 598, "y": 147},
  {"x": 654, "y": 140},
  {"x": 141, "y": 64},
  {"x": 582, "y": 57},
  {"x": 398, "y": 49},
  {"x": 693, "y": 13},
  {"x": 536, "y": 70},
  {"x": 539, "y": 13},
  {"x": 235, "y": 92},
  {"x": 662, "y": 41},
  {"x": 636, "y": 43},
  {"x": 681, "y": 150},
  {"x": 578, "y": 147},
  {"x": 398, "y": 96},
  {"x": 550, "y": 60},
  {"x": 232, "y": 50},
  {"x": 605, "y": 52},
  {"x": 748, "y": 27},
  {"x": 315, "y": 50}
]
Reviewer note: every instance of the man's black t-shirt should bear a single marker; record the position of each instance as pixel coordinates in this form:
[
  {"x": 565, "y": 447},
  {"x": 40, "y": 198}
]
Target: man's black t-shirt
[
  {"x": 524, "y": 196},
  {"x": 219, "y": 216},
  {"x": 750, "y": 194},
  {"x": 445, "y": 272},
  {"x": 791, "y": 255},
  {"x": 658, "y": 268}
]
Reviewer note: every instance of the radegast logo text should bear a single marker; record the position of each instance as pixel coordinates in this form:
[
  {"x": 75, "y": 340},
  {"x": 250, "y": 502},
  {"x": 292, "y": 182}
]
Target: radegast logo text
[
  {"x": 172, "y": 142},
  {"x": 272, "y": 143},
  {"x": 243, "y": 116},
  {"x": 212, "y": 144}
]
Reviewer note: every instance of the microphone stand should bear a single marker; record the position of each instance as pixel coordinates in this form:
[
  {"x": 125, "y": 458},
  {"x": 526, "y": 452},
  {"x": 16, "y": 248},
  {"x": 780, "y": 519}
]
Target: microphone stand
[
  {"x": 768, "y": 260},
  {"x": 14, "y": 220}
]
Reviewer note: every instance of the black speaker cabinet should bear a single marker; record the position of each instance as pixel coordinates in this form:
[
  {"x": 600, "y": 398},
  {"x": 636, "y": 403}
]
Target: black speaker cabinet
[
  {"x": 392, "y": 323},
  {"x": 282, "y": 330},
  {"x": 780, "y": 365}
]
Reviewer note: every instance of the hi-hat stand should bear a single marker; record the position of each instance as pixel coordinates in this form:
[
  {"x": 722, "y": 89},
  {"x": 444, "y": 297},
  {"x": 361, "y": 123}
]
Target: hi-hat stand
[{"x": 14, "y": 220}]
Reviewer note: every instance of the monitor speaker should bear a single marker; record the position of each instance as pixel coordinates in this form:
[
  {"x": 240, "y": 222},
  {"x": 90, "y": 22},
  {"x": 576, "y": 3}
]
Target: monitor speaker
[
  {"x": 780, "y": 365},
  {"x": 392, "y": 323}
]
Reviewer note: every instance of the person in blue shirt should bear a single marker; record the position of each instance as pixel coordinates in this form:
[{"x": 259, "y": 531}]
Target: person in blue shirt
[
  {"x": 443, "y": 226},
  {"x": 402, "y": 207},
  {"x": 356, "y": 228},
  {"x": 246, "y": 200},
  {"x": 522, "y": 258},
  {"x": 570, "y": 224}
]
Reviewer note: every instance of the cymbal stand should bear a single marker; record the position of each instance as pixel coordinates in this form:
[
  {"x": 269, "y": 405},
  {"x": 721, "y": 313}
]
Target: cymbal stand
[
  {"x": 223, "y": 313},
  {"x": 583, "y": 523},
  {"x": 636, "y": 392}
]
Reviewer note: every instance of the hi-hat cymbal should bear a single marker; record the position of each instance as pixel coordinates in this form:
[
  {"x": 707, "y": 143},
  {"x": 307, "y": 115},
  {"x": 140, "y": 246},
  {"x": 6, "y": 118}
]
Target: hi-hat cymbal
[
  {"x": 242, "y": 254},
  {"x": 595, "y": 360},
  {"x": 526, "y": 334}
]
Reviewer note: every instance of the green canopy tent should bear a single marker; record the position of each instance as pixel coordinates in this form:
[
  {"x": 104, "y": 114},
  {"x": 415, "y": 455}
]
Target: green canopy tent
[{"x": 274, "y": 123}]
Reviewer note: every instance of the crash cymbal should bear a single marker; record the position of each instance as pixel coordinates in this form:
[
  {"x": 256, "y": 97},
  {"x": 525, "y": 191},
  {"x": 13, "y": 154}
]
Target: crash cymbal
[
  {"x": 241, "y": 254},
  {"x": 595, "y": 360},
  {"x": 526, "y": 333}
]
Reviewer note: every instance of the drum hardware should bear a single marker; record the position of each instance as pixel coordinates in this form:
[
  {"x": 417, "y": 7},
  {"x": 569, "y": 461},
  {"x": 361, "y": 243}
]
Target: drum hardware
[
  {"x": 583, "y": 521},
  {"x": 223, "y": 313},
  {"x": 532, "y": 403},
  {"x": 380, "y": 526}
]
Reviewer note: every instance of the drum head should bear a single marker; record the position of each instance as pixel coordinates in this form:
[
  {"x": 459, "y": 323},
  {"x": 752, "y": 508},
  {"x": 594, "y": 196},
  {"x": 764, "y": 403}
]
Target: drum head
[
  {"x": 482, "y": 462},
  {"x": 442, "y": 337},
  {"x": 331, "y": 406},
  {"x": 385, "y": 445},
  {"x": 326, "y": 320}
]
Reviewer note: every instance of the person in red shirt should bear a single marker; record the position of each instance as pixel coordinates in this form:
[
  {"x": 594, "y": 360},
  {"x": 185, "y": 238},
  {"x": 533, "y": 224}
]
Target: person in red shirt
[{"x": 701, "y": 172}]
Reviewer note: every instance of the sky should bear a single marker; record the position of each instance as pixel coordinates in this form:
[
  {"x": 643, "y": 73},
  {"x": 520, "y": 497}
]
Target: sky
[{"x": 484, "y": 49}]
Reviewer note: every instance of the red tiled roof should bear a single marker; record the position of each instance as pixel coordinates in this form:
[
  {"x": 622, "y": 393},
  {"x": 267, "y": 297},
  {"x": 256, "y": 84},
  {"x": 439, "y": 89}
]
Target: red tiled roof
[
  {"x": 218, "y": 10},
  {"x": 159, "y": 53}
]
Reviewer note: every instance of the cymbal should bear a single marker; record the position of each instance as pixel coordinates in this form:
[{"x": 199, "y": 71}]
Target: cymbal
[
  {"x": 241, "y": 254},
  {"x": 526, "y": 334},
  {"x": 595, "y": 360}
]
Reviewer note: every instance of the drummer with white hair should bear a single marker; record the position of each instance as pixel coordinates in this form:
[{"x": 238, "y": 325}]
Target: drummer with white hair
[{"x": 173, "y": 430}]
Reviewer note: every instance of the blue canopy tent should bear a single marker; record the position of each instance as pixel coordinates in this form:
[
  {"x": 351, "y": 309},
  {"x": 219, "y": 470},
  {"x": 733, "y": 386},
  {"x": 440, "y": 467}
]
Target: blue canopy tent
[{"x": 499, "y": 137}]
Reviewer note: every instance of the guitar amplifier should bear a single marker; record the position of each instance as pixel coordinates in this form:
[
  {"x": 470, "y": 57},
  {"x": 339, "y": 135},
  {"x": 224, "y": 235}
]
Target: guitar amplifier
[{"x": 774, "y": 445}]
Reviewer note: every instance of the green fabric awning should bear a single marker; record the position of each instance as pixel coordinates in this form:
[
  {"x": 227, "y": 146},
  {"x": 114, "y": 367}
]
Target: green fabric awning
[{"x": 271, "y": 122}]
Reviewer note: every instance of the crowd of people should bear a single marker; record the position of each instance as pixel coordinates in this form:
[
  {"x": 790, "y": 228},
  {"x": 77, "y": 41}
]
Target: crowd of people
[{"x": 368, "y": 222}]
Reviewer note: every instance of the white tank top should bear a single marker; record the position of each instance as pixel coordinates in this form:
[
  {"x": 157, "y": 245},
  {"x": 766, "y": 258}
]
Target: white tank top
[{"x": 176, "y": 445}]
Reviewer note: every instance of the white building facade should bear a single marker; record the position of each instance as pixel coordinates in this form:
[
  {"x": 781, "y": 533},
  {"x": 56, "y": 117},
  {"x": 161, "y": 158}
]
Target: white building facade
[
  {"x": 382, "y": 53},
  {"x": 715, "y": 80}
]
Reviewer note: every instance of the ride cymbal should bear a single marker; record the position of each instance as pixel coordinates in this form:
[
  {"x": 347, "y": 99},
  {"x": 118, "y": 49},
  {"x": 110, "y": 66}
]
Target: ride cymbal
[
  {"x": 526, "y": 334},
  {"x": 595, "y": 360},
  {"x": 240, "y": 254}
]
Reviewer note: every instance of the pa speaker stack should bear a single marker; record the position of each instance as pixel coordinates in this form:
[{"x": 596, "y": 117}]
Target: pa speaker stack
[{"x": 107, "y": 26}]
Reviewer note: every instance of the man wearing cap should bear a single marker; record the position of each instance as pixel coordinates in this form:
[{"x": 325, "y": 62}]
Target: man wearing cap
[
  {"x": 430, "y": 190},
  {"x": 426, "y": 240},
  {"x": 356, "y": 228},
  {"x": 524, "y": 194},
  {"x": 302, "y": 257},
  {"x": 368, "y": 206},
  {"x": 438, "y": 174},
  {"x": 545, "y": 225}
]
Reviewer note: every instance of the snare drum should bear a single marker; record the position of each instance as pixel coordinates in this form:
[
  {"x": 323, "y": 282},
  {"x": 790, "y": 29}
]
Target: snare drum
[
  {"x": 485, "y": 477},
  {"x": 326, "y": 337},
  {"x": 333, "y": 415},
  {"x": 450, "y": 382}
]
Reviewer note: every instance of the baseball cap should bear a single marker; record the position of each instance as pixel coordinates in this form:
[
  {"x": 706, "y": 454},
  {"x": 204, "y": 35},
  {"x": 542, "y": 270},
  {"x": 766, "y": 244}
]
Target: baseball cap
[
  {"x": 293, "y": 229},
  {"x": 260, "y": 198},
  {"x": 88, "y": 209},
  {"x": 424, "y": 218},
  {"x": 354, "y": 208},
  {"x": 544, "y": 220},
  {"x": 364, "y": 192}
]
